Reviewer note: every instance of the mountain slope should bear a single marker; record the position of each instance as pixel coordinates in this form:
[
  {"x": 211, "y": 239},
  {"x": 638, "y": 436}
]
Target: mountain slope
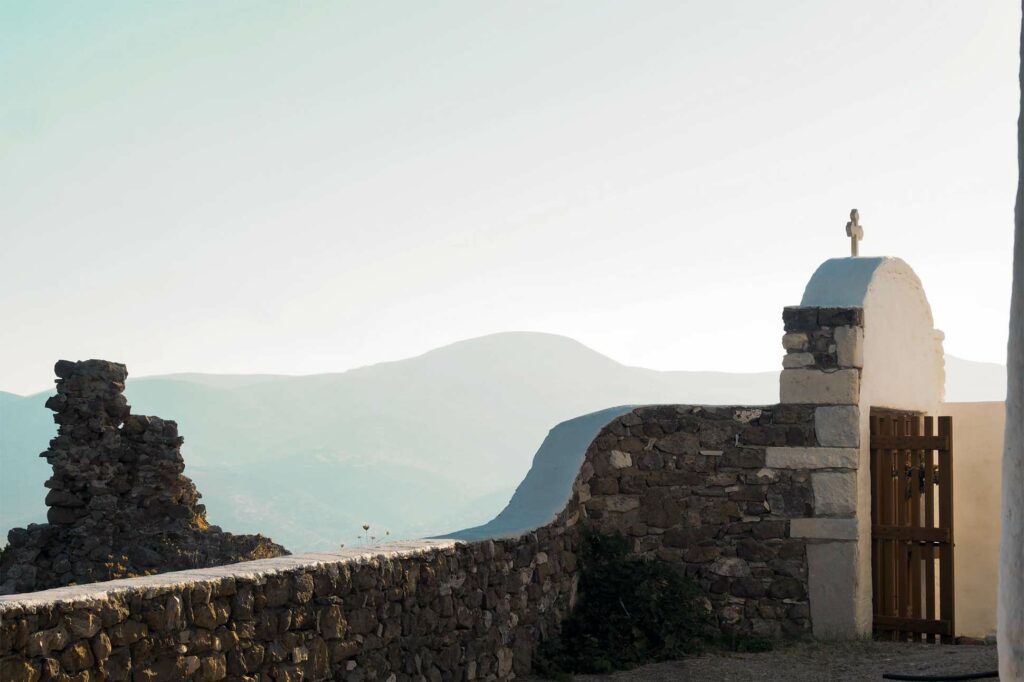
[{"x": 548, "y": 485}]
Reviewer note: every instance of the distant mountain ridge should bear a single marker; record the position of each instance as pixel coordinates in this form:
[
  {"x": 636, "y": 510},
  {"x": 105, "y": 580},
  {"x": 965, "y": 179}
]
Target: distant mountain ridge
[
  {"x": 414, "y": 446},
  {"x": 970, "y": 381}
]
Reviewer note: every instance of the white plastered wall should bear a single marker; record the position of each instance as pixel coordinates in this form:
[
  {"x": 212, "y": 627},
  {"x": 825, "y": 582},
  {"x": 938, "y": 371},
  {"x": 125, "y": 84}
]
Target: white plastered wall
[{"x": 977, "y": 457}]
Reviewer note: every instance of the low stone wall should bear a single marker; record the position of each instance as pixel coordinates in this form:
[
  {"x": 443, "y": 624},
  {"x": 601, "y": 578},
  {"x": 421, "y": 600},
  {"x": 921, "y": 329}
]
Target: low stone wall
[
  {"x": 426, "y": 610},
  {"x": 718, "y": 491}
]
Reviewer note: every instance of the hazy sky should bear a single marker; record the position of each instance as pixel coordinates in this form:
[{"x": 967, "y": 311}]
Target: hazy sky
[{"x": 308, "y": 187}]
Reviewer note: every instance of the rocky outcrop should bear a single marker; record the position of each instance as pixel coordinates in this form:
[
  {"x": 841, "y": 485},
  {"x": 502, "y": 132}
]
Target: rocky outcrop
[{"x": 119, "y": 505}]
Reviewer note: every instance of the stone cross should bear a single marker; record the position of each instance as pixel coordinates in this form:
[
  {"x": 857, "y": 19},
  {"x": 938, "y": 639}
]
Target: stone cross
[{"x": 855, "y": 231}]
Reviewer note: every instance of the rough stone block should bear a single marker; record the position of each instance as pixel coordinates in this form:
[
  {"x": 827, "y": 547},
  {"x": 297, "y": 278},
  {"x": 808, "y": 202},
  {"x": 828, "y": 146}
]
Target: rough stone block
[
  {"x": 622, "y": 503},
  {"x": 797, "y": 319},
  {"x": 18, "y": 670},
  {"x": 840, "y": 387},
  {"x": 812, "y": 458},
  {"x": 797, "y": 360},
  {"x": 732, "y": 567},
  {"x": 837, "y": 317},
  {"x": 795, "y": 341},
  {"x": 620, "y": 460},
  {"x": 43, "y": 642},
  {"x": 832, "y": 580},
  {"x": 83, "y": 625},
  {"x": 835, "y": 492},
  {"x": 746, "y": 415},
  {"x": 838, "y": 426},
  {"x": 823, "y": 529},
  {"x": 850, "y": 346}
]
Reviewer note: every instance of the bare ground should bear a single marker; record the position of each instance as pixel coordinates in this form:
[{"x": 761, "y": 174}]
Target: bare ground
[{"x": 816, "y": 662}]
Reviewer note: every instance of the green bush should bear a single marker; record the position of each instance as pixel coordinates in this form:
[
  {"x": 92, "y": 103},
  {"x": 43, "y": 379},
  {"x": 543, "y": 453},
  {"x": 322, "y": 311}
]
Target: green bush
[
  {"x": 630, "y": 611},
  {"x": 744, "y": 644}
]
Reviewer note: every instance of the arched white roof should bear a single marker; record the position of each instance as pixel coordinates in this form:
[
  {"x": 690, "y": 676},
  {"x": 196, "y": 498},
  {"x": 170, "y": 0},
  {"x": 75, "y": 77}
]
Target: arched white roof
[
  {"x": 903, "y": 358},
  {"x": 842, "y": 282}
]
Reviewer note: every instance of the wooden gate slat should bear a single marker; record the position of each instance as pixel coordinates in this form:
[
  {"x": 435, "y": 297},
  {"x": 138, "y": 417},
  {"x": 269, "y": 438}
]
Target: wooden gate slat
[
  {"x": 923, "y": 442},
  {"x": 915, "y": 522},
  {"x": 946, "y": 607},
  {"x": 933, "y": 627},
  {"x": 876, "y": 505},
  {"x": 929, "y": 523},
  {"x": 908, "y": 534},
  {"x": 902, "y": 569},
  {"x": 886, "y": 518}
]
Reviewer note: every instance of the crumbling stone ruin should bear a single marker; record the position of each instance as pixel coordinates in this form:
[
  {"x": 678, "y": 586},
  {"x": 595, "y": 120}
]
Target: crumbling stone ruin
[{"x": 119, "y": 505}]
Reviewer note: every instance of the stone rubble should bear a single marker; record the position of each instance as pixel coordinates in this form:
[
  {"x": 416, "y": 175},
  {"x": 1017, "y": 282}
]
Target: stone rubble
[{"x": 118, "y": 503}]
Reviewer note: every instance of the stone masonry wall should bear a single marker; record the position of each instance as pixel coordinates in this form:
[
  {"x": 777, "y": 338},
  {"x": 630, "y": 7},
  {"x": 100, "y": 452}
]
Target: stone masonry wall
[
  {"x": 824, "y": 355},
  {"x": 118, "y": 502},
  {"x": 419, "y": 611},
  {"x": 823, "y": 367},
  {"x": 690, "y": 485}
]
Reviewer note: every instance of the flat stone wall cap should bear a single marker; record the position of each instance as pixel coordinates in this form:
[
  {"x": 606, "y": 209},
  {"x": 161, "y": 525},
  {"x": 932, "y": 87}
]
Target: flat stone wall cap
[
  {"x": 797, "y": 319},
  {"x": 850, "y": 346},
  {"x": 814, "y": 386},
  {"x": 823, "y": 529},
  {"x": 97, "y": 592},
  {"x": 835, "y": 492},
  {"x": 837, "y": 425},
  {"x": 832, "y": 575},
  {"x": 812, "y": 458}
]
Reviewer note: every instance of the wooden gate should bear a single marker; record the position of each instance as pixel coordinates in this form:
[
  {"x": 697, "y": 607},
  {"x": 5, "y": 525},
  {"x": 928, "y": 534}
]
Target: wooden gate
[{"x": 912, "y": 526}]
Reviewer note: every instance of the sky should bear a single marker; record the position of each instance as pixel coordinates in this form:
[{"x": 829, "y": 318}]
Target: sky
[{"x": 269, "y": 187}]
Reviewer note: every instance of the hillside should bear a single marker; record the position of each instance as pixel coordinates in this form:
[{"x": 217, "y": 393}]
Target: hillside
[
  {"x": 547, "y": 487},
  {"x": 308, "y": 460}
]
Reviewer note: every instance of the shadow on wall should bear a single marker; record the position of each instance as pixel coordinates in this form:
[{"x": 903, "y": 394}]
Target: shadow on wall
[{"x": 548, "y": 485}]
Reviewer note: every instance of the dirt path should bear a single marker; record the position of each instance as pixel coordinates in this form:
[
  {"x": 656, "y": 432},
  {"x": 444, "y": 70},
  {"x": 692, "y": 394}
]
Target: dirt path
[{"x": 817, "y": 662}]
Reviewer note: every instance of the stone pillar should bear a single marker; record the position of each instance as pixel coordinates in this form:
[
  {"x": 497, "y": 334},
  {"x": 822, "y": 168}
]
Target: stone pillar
[
  {"x": 90, "y": 409},
  {"x": 822, "y": 370},
  {"x": 119, "y": 504}
]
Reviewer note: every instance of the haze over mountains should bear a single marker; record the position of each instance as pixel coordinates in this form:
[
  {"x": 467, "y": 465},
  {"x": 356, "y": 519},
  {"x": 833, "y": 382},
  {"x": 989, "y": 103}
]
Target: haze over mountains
[{"x": 417, "y": 446}]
